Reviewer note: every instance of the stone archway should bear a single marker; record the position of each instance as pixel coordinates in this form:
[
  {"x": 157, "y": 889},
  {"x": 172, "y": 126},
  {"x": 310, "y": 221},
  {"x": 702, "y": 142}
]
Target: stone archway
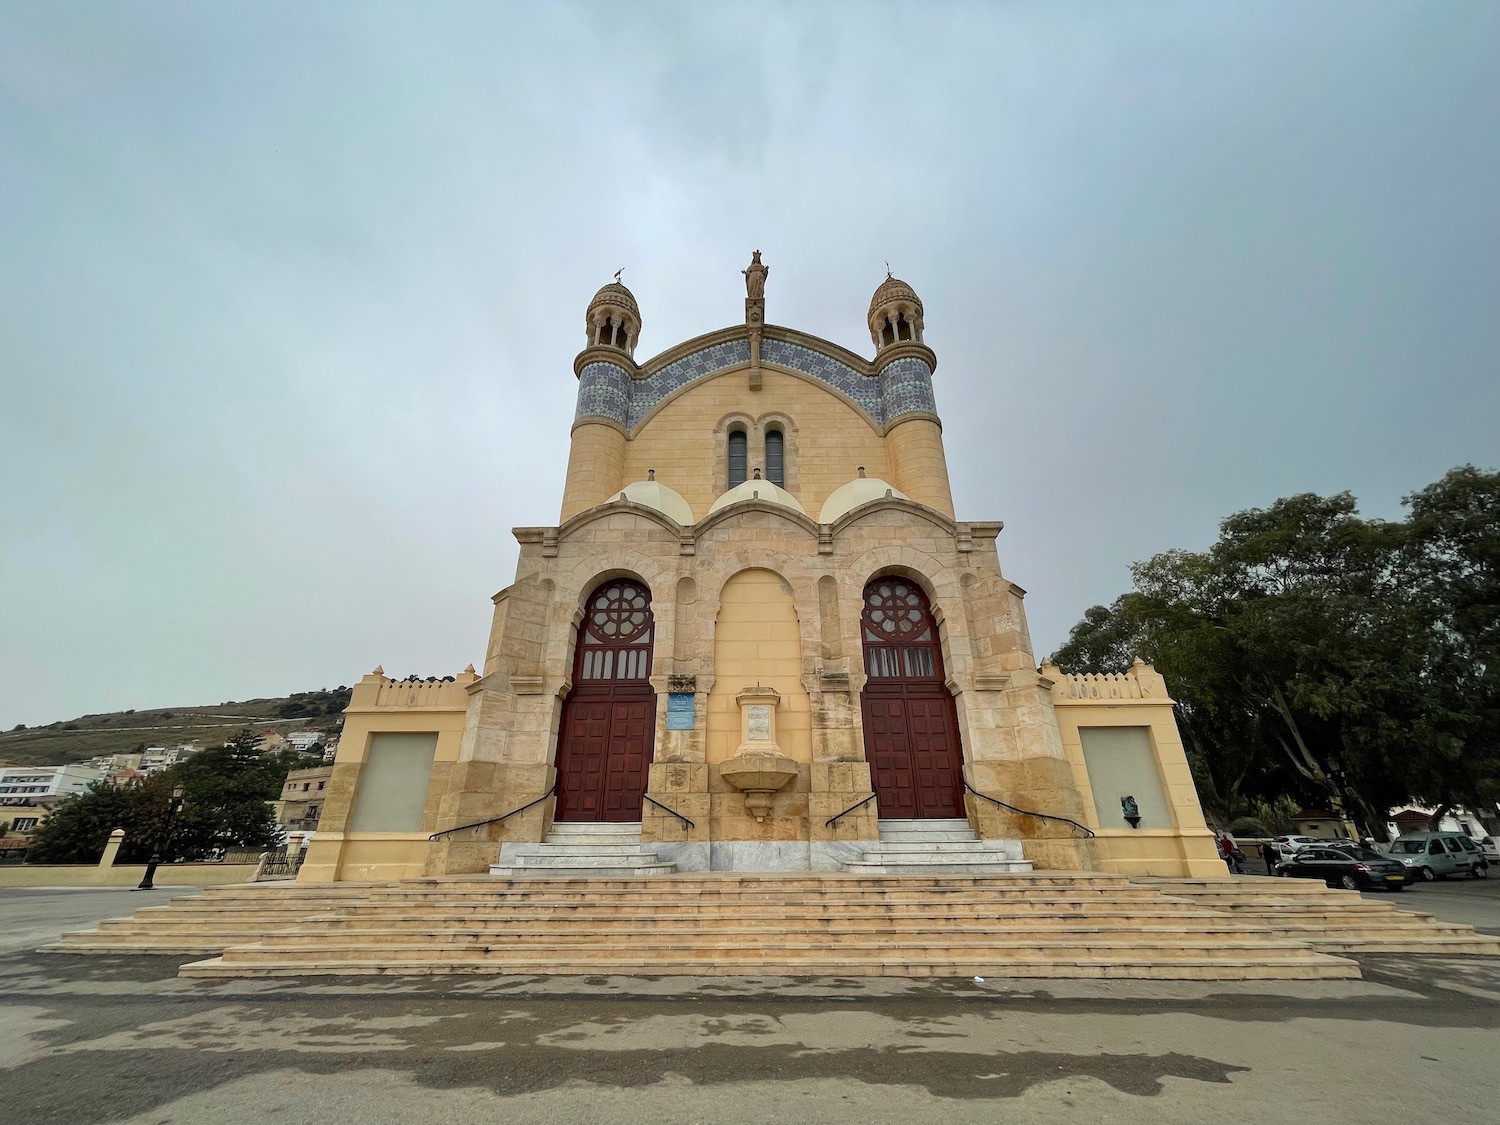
[
  {"x": 911, "y": 723},
  {"x": 608, "y": 731}
]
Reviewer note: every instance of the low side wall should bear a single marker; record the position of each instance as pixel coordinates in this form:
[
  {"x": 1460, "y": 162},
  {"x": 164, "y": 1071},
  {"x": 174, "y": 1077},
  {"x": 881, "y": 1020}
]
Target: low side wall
[
  {"x": 124, "y": 874},
  {"x": 1137, "y": 698}
]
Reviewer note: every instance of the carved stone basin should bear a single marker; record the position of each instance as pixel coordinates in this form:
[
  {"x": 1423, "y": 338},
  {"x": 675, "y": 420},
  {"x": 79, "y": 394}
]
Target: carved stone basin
[{"x": 758, "y": 774}]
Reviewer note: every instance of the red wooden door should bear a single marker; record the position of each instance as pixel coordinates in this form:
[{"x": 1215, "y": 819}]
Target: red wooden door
[
  {"x": 911, "y": 724},
  {"x": 608, "y": 729}
]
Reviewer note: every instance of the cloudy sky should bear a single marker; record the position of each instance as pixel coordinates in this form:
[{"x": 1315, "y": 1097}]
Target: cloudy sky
[{"x": 289, "y": 294}]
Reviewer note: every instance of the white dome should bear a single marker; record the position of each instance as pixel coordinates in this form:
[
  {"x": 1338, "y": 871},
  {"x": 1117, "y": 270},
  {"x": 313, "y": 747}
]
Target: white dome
[
  {"x": 654, "y": 494},
  {"x": 859, "y": 491},
  {"x": 757, "y": 489}
]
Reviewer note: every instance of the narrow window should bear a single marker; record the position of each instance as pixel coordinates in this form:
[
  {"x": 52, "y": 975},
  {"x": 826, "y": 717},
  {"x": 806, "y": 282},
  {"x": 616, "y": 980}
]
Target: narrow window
[
  {"x": 903, "y": 328},
  {"x": 775, "y": 458},
  {"x": 737, "y": 458},
  {"x": 889, "y": 335}
]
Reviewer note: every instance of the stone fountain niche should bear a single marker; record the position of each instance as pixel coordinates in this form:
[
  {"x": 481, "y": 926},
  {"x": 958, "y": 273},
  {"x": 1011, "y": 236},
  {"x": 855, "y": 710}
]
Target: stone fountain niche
[{"x": 758, "y": 769}]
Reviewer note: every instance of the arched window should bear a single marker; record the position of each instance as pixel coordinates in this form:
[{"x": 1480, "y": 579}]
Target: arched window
[
  {"x": 614, "y": 642},
  {"x": 888, "y": 336},
  {"x": 776, "y": 458},
  {"x": 903, "y": 328},
  {"x": 738, "y": 457},
  {"x": 900, "y": 635}
]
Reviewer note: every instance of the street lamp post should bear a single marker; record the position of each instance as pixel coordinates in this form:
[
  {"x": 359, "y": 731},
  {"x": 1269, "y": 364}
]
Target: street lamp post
[{"x": 173, "y": 804}]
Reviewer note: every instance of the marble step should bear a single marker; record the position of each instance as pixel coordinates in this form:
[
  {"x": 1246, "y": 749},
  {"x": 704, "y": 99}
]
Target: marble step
[{"x": 945, "y": 829}]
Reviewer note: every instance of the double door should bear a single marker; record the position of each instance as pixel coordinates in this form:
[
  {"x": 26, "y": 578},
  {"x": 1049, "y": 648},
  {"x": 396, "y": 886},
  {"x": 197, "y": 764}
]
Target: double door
[
  {"x": 911, "y": 743},
  {"x": 603, "y": 755}
]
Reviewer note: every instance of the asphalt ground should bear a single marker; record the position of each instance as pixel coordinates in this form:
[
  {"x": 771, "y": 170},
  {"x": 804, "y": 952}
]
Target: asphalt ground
[{"x": 88, "y": 1039}]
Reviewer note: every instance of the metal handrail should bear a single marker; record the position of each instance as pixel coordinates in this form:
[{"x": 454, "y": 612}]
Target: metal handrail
[
  {"x": 551, "y": 789},
  {"x": 858, "y": 804},
  {"x": 1088, "y": 832},
  {"x": 674, "y": 812}
]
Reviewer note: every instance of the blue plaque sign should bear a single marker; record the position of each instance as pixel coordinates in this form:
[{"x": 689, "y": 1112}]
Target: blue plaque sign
[{"x": 680, "y": 712}]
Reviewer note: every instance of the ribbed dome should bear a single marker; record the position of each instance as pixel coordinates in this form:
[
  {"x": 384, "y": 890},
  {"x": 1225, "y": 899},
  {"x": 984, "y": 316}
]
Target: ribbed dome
[
  {"x": 758, "y": 490},
  {"x": 891, "y": 291},
  {"x": 616, "y": 294},
  {"x": 654, "y": 494},
  {"x": 859, "y": 491}
]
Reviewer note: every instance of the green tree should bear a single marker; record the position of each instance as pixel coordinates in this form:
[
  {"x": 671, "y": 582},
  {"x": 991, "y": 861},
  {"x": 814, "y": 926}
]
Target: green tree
[
  {"x": 1311, "y": 650},
  {"x": 79, "y": 827}
]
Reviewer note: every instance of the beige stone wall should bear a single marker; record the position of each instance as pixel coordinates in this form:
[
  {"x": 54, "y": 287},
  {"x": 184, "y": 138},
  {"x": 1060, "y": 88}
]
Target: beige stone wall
[
  {"x": 1137, "y": 698},
  {"x": 757, "y": 641},
  {"x": 124, "y": 874},
  {"x": 826, "y": 438},
  {"x": 379, "y": 704}
]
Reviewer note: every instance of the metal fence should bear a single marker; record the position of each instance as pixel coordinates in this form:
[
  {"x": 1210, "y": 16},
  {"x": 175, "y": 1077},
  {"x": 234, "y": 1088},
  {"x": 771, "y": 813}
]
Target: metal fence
[{"x": 276, "y": 865}]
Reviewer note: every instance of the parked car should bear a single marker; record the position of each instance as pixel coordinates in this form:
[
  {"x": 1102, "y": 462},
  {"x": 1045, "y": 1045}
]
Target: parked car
[
  {"x": 1287, "y": 846},
  {"x": 1351, "y": 868},
  {"x": 1436, "y": 855},
  {"x": 1489, "y": 847}
]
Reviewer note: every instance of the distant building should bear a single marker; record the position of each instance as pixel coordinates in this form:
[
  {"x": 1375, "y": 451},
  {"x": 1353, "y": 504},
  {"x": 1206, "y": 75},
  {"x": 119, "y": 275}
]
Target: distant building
[
  {"x": 304, "y": 740},
  {"x": 1418, "y": 818},
  {"x": 302, "y": 794},
  {"x": 44, "y": 784},
  {"x": 28, "y": 795}
]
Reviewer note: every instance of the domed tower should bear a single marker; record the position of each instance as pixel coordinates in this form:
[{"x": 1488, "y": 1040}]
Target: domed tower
[
  {"x": 605, "y": 367},
  {"x": 614, "y": 319},
  {"x": 914, "y": 435}
]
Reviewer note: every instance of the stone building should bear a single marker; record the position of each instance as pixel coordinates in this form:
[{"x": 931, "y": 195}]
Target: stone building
[{"x": 759, "y": 638}]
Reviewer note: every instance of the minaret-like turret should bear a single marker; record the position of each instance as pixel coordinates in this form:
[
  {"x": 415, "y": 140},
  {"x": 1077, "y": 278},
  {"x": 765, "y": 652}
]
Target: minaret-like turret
[
  {"x": 914, "y": 435},
  {"x": 596, "y": 462}
]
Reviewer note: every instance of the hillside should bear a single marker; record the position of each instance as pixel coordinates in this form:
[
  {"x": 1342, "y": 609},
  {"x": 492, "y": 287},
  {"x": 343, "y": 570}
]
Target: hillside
[{"x": 119, "y": 732}]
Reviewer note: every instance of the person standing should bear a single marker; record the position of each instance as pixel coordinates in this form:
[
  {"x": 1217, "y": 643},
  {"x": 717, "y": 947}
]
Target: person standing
[{"x": 1269, "y": 853}]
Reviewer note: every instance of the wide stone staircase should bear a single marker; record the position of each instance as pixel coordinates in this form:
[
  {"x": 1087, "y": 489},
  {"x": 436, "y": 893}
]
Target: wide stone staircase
[
  {"x": 809, "y": 925},
  {"x": 1024, "y": 925},
  {"x": 927, "y": 847},
  {"x": 1332, "y": 921},
  {"x": 576, "y": 848}
]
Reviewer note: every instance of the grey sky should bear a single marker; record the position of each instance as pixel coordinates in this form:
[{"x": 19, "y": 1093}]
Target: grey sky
[{"x": 289, "y": 294}]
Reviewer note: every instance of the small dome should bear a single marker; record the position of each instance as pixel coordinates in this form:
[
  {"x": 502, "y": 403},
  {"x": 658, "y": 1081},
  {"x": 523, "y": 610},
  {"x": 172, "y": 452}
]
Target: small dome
[
  {"x": 654, "y": 494},
  {"x": 891, "y": 291},
  {"x": 617, "y": 296},
  {"x": 757, "y": 489},
  {"x": 895, "y": 314},
  {"x": 859, "y": 491},
  {"x": 613, "y": 319}
]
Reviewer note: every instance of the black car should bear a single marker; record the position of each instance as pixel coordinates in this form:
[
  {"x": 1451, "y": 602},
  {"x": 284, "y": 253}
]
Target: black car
[{"x": 1352, "y": 868}]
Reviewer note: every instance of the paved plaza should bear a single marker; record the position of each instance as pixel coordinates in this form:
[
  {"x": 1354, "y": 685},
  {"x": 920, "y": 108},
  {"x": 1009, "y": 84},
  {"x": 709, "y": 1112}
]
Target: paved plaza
[{"x": 122, "y": 1039}]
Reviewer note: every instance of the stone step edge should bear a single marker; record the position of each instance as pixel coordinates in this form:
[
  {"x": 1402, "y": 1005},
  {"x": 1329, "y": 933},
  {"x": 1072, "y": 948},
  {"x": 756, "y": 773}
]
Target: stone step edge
[{"x": 1205, "y": 969}]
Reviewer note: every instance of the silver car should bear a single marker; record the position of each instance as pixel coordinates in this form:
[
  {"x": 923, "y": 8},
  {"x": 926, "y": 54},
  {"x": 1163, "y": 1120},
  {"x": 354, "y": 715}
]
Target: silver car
[{"x": 1436, "y": 855}]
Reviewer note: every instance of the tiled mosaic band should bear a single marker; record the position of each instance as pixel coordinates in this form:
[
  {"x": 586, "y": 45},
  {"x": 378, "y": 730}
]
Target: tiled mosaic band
[{"x": 608, "y": 392}]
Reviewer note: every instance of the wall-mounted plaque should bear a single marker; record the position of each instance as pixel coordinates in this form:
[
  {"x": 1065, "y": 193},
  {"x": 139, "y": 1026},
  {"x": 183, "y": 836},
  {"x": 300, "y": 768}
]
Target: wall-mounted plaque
[
  {"x": 758, "y": 723},
  {"x": 681, "y": 713}
]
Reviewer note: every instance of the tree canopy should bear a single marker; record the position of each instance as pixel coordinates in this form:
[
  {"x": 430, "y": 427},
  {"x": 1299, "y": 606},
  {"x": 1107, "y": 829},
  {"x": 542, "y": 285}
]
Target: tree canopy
[{"x": 1310, "y": 650}]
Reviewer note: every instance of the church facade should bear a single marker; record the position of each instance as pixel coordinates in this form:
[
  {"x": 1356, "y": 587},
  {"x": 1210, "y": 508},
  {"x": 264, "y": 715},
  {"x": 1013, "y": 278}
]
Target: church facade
[{"x": 757, "y": 638}]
